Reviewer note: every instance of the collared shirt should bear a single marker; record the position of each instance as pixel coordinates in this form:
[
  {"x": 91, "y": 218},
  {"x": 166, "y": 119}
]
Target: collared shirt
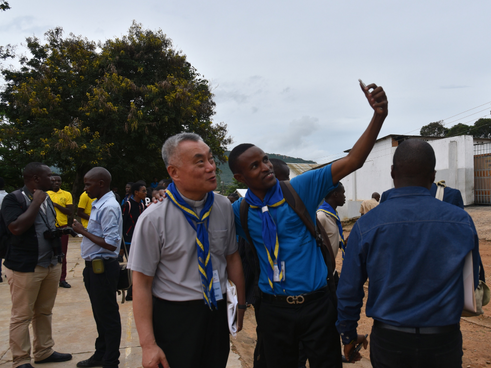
[
  {"x": 411, "y": 248},
  {"x": 3, "y": 193},
  {"x": 332, "y": 230},
  {"x": 63, "y": 198},
  {"x": 164, "y": 247},
  {"x": 105, "y": 222},
  {"x": 305, "y": 268},
  {"x": 367, "y": 205}
]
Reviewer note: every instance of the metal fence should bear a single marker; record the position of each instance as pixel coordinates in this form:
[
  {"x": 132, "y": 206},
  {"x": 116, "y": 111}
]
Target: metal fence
[{"x": 482, "y": 173}]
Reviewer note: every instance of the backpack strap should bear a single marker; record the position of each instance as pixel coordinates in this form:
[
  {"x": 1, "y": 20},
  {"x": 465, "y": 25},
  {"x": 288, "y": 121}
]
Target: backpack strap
[
  {"x": 318, "y": 232},
  {"x": 244, "y": 221},
  {"x": 440, "y": 191}
]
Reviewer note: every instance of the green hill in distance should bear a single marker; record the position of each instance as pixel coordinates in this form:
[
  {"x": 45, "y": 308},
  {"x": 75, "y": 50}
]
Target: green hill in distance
[{"x": 227, "y": 177}]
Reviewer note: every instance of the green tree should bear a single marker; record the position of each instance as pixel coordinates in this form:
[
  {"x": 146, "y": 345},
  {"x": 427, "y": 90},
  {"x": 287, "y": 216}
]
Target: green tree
[
  {"x": 236, "y": 185},
  {"x": 436, "y": 129},
  {"x": 4, "y": 5},
  {"x": 459, "y": 129},
  {"x": 481, "y": 128},
  {"x": 76, "y": 104}
]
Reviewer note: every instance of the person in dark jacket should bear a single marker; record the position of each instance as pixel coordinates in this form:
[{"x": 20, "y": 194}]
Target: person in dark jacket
[
  {"x": 132, "y": 209},
  {"x": 33, "y": 263}
]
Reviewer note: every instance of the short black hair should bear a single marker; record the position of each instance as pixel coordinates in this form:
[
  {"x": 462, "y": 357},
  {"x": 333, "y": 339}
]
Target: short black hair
[
  {"x": 135, "y": 187},
  {"x": 234, "y": 155},
  {"x": 2, "y": 183},
  {"x": 414, "y": 158},
  {"x": 280, "y": 168},
  {"x": 31, "y": 169},
  {"x": 335, "y": 190}
]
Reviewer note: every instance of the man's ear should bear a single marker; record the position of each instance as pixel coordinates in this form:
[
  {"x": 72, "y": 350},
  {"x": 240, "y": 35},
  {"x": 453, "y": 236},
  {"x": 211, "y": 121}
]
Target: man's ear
[
  {"x": 239, "y": 177},
  {"x": 173, "y": 172},
  {"x": 392, "y": 171},
  {"x": 433, "y": 176}
]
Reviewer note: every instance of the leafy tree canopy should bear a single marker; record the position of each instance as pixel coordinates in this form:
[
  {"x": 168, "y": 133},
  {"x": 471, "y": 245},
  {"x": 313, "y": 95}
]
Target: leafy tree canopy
[
  {"x": 436, "y": 129},
  {"x": 482, "y": 128},
  {"x": 4, "y": 5},
  {"x": 459, "y": 129},
  {"x": 76, "y": 104}
]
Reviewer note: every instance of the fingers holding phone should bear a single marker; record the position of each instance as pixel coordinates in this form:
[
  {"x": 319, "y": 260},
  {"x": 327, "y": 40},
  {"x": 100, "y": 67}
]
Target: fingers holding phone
[
  {"x": 376, "y": 97},
  {"x": 351, "y": 351}
]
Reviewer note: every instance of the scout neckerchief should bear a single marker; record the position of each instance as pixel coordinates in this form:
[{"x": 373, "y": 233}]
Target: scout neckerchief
[
  {"x": 202, "y": 244},
  {"x": 274, "y": 198},
  {"x": 327, "y": 208}
]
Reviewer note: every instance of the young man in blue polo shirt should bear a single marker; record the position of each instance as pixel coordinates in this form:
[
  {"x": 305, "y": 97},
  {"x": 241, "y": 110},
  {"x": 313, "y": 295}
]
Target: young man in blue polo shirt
[{"x": 295, "y": 303}]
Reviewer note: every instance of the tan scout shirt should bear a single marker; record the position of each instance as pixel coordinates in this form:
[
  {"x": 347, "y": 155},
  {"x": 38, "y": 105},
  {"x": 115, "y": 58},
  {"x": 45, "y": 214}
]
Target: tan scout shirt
[{"x": 368, "y": 205}]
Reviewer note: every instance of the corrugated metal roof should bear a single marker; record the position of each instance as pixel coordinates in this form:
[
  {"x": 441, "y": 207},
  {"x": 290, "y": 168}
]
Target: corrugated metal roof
[{"x": 297, "y": 169}]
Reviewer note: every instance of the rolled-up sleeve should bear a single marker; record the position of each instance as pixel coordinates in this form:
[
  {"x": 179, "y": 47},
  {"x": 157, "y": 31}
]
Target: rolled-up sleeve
[{"x": 111, "y": 225}]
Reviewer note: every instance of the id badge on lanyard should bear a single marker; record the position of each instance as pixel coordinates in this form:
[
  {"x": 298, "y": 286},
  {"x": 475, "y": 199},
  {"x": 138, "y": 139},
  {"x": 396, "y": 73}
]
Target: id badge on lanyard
[{"x": 217, "y": 289}]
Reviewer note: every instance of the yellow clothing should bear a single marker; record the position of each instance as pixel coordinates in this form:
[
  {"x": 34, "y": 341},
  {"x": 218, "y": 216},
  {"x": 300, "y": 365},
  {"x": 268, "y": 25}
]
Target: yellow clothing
[
  {"x": 86, "y": 203},
  {"x": 61, "y": 197}
]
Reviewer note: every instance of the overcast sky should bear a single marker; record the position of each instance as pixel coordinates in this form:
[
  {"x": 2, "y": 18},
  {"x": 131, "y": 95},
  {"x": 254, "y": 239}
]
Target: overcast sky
[{"x": 285, "y": 73}]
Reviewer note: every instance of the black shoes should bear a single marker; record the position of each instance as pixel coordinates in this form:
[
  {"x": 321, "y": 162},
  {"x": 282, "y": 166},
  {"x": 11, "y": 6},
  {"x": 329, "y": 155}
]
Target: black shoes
[
  {"x": 90, "y": 363},
  {"x": 27, "y": 365},
  {"x": 55, "y": 358},
  {"x": 65, "y": 284}
]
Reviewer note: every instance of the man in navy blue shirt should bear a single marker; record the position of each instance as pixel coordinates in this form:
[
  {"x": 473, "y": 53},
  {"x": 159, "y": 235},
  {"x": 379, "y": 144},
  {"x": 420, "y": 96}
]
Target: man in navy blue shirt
[{"x": 412, "y": 248}]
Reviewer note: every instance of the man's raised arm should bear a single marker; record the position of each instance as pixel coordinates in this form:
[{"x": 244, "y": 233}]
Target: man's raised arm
[{"x": 360, "y": 151}]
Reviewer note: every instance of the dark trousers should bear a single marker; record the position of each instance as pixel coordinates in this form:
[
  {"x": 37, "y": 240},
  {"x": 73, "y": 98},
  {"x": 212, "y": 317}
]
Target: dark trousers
[
  {"x": 396, "y": 349},
  {"x": 190, "y": 334},
  {"x": 283, "y": 326},
  {"x": 64, "y": 249},
  {"x": 102, "y": 293}
]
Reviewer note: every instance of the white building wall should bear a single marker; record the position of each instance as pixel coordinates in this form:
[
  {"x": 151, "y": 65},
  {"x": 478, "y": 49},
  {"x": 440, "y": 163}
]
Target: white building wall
[{"x": 454, "y": 164}]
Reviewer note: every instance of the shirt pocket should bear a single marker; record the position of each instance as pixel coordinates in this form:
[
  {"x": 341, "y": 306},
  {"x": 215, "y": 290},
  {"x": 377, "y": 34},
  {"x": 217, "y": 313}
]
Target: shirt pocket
[{"x": 217, "y": 240}]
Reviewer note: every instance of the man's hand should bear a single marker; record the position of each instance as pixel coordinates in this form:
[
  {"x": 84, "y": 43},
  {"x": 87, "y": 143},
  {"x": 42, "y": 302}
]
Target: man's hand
[
  {"x": 348, "y": 348},
  {"x": 38, "y": 197},
  {"x": 376, "y": 98},
  {"x": 152, "y": 356},
  {"x": 159, "y": 196},
  {"x": 240, "y": 319},
  {"x": 77, "y": 227}
]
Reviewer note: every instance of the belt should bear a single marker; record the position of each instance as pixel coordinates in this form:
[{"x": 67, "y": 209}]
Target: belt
[
  {"x": 297, "y": 299},
  {"x": 108, "y": 260},
  {"x": 417, "y": 330}
]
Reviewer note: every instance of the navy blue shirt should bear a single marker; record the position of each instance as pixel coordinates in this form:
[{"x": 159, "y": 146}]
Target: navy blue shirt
[{"x": 411, "y": 248}]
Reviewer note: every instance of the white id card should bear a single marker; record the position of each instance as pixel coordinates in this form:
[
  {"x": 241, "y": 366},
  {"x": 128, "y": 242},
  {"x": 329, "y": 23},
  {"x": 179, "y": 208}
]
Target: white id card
[
  {"x": 276, "y": 273},
  {"x": 216, "y": 286}
]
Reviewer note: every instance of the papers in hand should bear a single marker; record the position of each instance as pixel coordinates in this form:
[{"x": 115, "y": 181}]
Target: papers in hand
[
  {"x": 232, "y": 307},
  {"x": 469, "y": 295}
]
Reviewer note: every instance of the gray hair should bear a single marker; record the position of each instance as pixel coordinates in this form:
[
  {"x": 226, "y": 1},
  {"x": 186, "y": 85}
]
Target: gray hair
[{"x": 169, "y": 149}]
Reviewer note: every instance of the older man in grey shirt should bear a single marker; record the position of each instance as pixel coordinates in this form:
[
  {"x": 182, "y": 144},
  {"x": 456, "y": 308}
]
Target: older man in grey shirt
[{"x": 183, "y": 251}]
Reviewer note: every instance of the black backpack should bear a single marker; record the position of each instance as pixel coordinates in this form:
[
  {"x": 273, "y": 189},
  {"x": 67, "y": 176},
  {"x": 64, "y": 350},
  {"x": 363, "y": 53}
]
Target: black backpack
[
  {"x": 5, "y": 234},
  {"x": 318, "y": 232}
]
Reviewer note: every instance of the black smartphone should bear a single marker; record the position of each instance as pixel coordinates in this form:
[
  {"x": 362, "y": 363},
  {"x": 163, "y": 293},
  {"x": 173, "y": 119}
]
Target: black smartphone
[{"x": 356, "y": 349}]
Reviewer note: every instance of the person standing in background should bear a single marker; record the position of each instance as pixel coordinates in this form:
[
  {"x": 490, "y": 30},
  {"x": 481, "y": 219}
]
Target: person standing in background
[
  {"x": 100, "y": 248},
  {"x": 3, "y": 193},
  {"x": 62, "y": 201},
  {"x": 84, "y": 208}
]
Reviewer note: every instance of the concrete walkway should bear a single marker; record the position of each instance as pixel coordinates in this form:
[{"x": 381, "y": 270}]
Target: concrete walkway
[{"x": 74, "y": 329}]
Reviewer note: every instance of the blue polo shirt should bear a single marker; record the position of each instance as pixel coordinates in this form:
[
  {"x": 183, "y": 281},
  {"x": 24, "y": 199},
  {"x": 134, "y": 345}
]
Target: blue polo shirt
[
  {"x": 305, "y": 268},
  {"x": 412, "y": 249}
]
